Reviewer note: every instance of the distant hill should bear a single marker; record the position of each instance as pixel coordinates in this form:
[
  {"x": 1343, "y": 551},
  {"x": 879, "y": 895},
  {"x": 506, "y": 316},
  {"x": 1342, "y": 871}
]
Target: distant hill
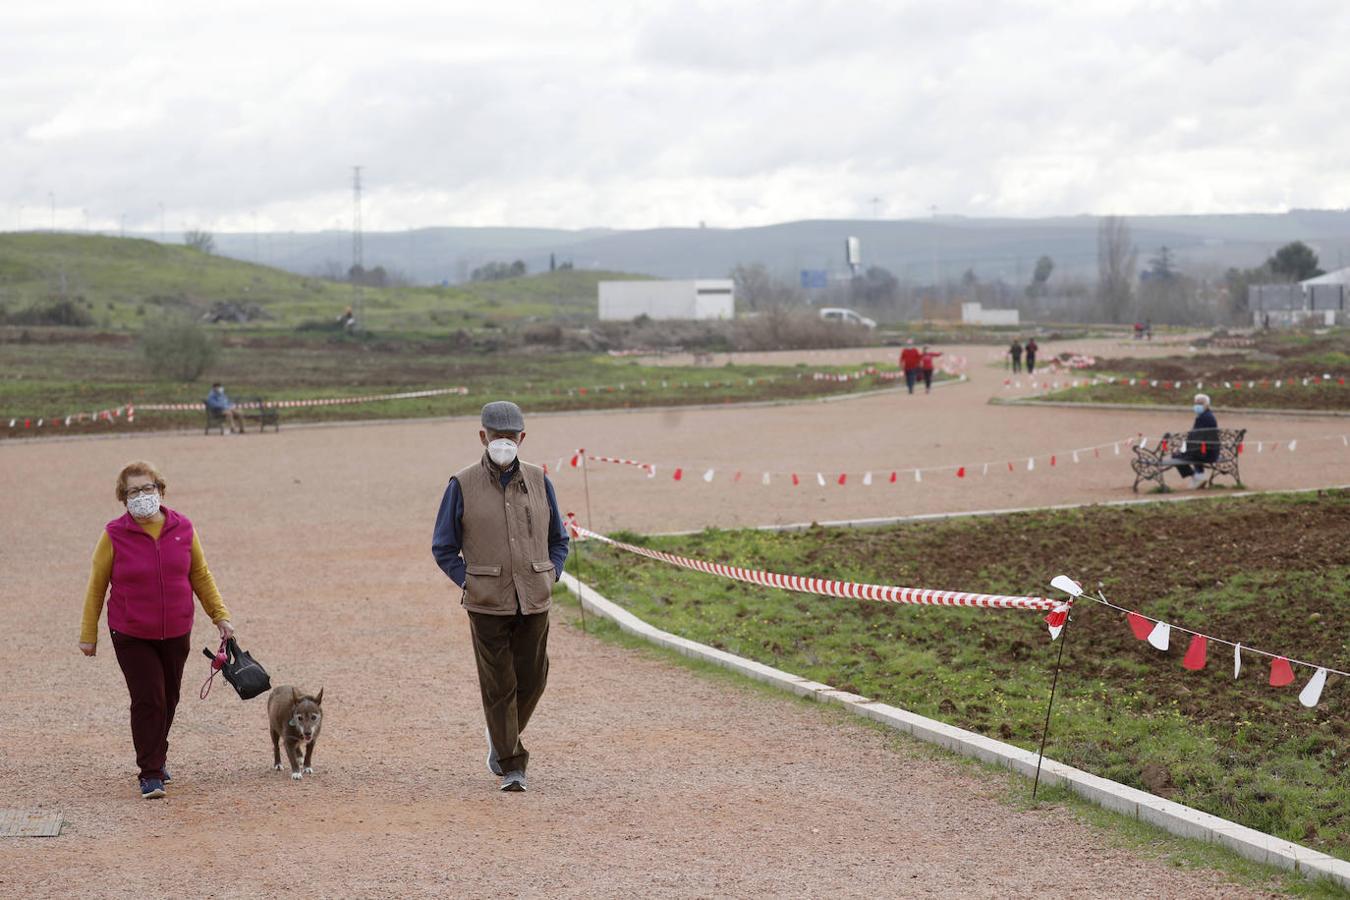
[
  {"x": 912, "y": 249},
  {"x": 119, "y": 282}
]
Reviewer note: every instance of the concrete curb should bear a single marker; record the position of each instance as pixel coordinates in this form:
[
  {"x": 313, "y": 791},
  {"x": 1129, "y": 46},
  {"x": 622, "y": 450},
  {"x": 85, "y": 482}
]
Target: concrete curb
[
  {"x": 1033, "y": 400},
  {"x": 1171, "y": 817},
  {"x": 937, "y": 517}
]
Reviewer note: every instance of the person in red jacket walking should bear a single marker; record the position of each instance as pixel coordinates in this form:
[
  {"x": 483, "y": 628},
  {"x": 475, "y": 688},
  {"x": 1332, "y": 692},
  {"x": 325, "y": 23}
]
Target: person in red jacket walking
[
  {"x": 926, "y": 366},
  {"x": 912, "y": 362}
]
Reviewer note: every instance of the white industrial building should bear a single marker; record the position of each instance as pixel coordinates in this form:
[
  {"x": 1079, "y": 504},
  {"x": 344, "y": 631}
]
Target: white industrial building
[
  {"x": 702, "y": 298},
  {"x": 1317, "y": 301},
  {"x": 976, "y": 314}
]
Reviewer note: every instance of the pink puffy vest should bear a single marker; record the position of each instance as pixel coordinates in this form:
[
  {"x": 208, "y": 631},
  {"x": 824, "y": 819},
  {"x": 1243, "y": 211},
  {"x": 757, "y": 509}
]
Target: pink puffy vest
[{"x": 151, "y": 595}]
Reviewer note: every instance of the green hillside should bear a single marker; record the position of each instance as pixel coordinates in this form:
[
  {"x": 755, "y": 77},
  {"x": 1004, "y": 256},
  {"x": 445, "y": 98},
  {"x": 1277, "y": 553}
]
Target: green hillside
[{"x": 116, "y": 283}]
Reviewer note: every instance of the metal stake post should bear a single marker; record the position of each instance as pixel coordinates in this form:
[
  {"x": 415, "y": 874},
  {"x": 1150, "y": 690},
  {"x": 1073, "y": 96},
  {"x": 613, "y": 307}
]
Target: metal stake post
[{"x": 1045, "y": 732}]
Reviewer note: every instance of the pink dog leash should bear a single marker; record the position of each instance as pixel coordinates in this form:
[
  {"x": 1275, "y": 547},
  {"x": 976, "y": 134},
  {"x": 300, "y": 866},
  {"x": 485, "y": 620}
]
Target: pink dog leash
[{"x": 217, "y": 663}]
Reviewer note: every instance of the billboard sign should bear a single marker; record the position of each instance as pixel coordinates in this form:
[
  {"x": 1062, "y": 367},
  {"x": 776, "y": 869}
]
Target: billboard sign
[{"x": 814, "y": 278}]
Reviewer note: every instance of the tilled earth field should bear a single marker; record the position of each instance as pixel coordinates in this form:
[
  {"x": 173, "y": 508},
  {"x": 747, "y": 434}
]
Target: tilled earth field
[{"x": 646, "y": 778}]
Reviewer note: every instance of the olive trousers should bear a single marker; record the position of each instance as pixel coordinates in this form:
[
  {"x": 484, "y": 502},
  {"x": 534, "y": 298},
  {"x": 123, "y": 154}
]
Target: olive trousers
[{"x": 512, "y": 657}]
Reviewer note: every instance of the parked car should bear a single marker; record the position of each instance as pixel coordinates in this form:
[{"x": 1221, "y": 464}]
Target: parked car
[{"x": 847, "y": 317}]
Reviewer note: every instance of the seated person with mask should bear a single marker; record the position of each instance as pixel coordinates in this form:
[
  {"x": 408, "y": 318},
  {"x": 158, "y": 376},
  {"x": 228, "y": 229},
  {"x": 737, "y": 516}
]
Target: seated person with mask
[
  {"x": 1202, "y": 443},
  {"x": 219, "y": 402}
]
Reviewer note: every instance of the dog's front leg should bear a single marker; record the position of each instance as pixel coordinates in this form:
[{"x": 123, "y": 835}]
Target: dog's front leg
[
  {"x": 293, "y": 755},
  {"x": 309, "y": 755}
]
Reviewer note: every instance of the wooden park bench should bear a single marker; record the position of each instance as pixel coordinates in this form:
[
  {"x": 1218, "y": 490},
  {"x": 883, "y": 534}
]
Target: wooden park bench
[
  {"x": 258, "y": 410},
  {"x": 255, "y": 409},
  {"x": 1179, "y": 449}
]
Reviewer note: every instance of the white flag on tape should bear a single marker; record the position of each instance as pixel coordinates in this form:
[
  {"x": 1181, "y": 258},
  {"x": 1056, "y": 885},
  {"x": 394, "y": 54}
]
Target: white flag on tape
[
  {"x": 1293, "y": 445},
  {"x": 765, "y": 479},
  {"x": 708, "y": 475},
  {"x": 1031, "y": 463},
  {"x": 1312, "y": 691},
  {"x": 867, "y": 478},
  {"x": 1160, "y": 635},
  {"x": 918, "y": 476},
  {"x": 1237, "y": 659},
  {"x": 820, "y": 479}
]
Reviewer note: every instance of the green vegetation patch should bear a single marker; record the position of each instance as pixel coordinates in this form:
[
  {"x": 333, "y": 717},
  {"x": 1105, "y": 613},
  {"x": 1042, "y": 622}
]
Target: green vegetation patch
[
  {"x": 1242, "y": 379},
  {"x": 1273, "y": 572}
]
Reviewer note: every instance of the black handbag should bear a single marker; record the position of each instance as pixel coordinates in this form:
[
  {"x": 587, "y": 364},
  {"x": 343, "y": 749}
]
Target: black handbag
[{"x": 241, "y": 670}]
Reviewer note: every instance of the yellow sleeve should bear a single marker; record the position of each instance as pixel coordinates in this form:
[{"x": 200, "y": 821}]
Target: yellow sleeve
[
  {"x": 204, "y": 585},
  {"x": 100, "y": 572}
]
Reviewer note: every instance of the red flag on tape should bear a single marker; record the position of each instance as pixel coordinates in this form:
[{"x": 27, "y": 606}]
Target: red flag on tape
[
  {"x": 892, "y": 478},
  {"x": 1281, "y": 673},
  {"x": 1141, "y": 626},
  {"x": 1162, "y": 446},
  {"x": 1010, "y": 468},
  {"x": 581, "y": 391},
  {"x": 1239, "y": 449},
  {"x": 961, "y": 472},
  {"x": 679, "y": 473},
  {"x": 576, "y": 460},
  {"x": 1057, "y": 618},
  {"x": 737, "y": 477},
  {"x": 1052, "y": 459},
  {"x": 795, "y": 480},
  {"x": 1195, "y": 654},
  {"x": 843, "y": 477}
]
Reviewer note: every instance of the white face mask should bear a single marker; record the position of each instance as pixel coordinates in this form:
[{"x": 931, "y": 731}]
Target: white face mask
[
  {"x": 1199, "y": 408},
  {"x": 502, "y": 452},
  {"x": 144, "y": 506}
]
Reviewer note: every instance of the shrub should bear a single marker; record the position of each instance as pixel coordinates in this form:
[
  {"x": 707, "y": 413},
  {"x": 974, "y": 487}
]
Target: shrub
[
  {"x": 180, "y": 350},
  {"x": 54, "y": 312}
]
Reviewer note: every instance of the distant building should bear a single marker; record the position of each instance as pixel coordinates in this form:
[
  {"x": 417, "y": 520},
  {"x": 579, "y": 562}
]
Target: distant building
[
  {"x": 1316, "y": 301},
  {"x": 703, "y": 298},
  {"x": 976, "y": 314}
]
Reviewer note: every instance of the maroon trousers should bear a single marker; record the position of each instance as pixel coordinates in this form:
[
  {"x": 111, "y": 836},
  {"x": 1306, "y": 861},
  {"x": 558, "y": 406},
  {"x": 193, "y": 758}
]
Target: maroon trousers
[{"x": 154, "y": 672}]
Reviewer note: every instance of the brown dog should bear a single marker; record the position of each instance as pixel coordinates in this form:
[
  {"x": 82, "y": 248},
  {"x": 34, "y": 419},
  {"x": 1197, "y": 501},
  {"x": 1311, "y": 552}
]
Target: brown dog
[{"x": 295, "y": 718}]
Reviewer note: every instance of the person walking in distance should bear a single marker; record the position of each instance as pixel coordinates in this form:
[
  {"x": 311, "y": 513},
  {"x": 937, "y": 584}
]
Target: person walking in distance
[
  {"x": 1031, "y": 356},
  {"x": 1015, "y": 351},
  {"x": 926, "y": 366},
  {"x": 499, "y": 536},
  {"x": 912, "y": 362}
]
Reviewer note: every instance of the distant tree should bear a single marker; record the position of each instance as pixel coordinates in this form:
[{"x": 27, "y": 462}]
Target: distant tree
[
  {"x": 755, "y": 288},
  {"x": 1039, "y": 276},
  {"x": 496, "y": 271},
  {"x": 1296, "y": 261},
  {"x": 1162, "y": 265},
  {"x": 875, "y": 287},
  {"x": 969, "y": 279},
  {"x": 552, "y": 263},
  {"x": 1116, "y": 257},
  {"x": 200, "y": 240}
]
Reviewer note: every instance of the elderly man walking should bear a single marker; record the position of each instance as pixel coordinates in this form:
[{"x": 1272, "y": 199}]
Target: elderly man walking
[{"x": 499, "y": 536}]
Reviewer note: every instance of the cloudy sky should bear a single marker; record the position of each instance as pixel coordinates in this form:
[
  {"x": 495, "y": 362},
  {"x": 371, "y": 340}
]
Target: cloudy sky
[{"x": 245, "y": 114}]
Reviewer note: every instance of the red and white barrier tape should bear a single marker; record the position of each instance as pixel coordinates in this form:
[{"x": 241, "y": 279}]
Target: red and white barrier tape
[
  {"x": 848, "y": 590},
  {"x": 130, "y": 409},
  {"x": 1171, "y": 384},
  {"x": 581, "y": 457}
]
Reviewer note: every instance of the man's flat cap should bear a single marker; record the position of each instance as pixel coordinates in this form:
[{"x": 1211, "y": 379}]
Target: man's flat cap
[{"x": 503, "y": 415}]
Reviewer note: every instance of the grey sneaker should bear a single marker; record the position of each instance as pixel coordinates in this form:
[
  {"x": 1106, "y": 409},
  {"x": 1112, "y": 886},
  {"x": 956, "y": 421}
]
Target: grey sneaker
[
  {"x": 514, "y": 781},
  {"x": 493, "y": 765}
]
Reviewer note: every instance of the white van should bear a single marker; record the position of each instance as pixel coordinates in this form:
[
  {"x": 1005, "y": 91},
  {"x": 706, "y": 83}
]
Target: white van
[{"x": 846, "y": 316}]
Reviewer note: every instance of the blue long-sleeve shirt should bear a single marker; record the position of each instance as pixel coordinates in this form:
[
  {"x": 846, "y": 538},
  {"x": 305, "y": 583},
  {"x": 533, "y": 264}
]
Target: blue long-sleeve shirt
[
  {"x": 447, "y": 537},
  {"x": 218, "y": 400}
]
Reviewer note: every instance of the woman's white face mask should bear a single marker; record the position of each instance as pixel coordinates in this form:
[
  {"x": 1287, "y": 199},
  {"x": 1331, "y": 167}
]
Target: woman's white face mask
[
  {"x": 144, "y": 506},
  {"x": 502, "y": 451}
]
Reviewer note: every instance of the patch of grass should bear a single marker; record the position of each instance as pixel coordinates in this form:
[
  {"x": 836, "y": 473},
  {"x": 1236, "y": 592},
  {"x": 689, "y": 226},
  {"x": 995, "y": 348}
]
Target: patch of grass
[
  {"x": 1013, "y": 790},
  {"x": 1273, "y": 571},
  {"x": 56, "y": 379}
]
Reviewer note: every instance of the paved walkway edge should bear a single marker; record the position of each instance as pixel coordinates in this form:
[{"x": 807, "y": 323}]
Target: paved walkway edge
[{"x": 1172, "y": 817}]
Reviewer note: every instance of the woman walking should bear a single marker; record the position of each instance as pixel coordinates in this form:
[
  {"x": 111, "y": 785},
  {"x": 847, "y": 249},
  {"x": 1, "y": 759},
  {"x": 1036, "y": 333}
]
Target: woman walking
[
  {"x": 1032, "y": 350},
  {"x": 926, "y": 361},
  {"x": 153, "y": 561}
]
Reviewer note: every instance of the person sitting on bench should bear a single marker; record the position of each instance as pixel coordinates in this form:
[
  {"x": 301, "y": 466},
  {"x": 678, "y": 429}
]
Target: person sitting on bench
[
  {"x": 219, "y": 402},
  {"x": 1202, "y": 444}
]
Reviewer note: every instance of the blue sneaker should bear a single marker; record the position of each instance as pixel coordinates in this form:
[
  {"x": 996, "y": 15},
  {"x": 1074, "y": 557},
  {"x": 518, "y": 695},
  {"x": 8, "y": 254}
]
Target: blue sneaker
[
  {"x": 514, "y": 782},
  {"x": 151, "y": 789}
]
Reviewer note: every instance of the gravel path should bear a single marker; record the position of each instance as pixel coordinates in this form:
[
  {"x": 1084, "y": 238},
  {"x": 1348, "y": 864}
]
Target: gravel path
[{"x": 647, "y": 778}]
